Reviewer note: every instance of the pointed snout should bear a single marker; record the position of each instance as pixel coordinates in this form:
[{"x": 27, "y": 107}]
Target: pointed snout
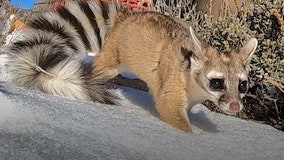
[
  {"x": 231, "y": 108},
  {"x": 235, "y": 107}
]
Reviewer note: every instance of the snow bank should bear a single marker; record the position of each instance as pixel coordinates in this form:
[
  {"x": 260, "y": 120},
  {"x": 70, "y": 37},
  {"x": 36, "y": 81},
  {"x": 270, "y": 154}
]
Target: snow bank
[{"x": 38, "y": 126}]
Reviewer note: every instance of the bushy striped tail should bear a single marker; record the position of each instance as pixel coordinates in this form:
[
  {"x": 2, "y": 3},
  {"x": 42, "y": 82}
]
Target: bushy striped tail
[
  {"x": 57, "y": 74},
  {"x": 46, "y": 57}
]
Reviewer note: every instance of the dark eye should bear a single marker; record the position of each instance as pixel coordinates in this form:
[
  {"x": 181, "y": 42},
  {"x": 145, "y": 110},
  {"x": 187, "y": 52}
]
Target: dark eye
[
  {"x": 217, "y": 84},
  {"x": 243, "y": 86}
]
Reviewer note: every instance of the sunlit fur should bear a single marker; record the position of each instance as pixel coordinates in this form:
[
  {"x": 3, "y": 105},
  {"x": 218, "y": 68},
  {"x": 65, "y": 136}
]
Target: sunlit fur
[{"x": 166, "y": 54}]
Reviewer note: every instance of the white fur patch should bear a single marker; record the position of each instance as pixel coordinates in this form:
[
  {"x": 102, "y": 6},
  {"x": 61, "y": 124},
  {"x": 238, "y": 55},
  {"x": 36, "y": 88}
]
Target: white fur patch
[
  {"x": 243, "y": 77},
  {"x": 68, "y": 82},
  {"x": 214, "y": 74},
  {"x": 195, "y": 64},
  {"x": 92, "y": 54},
  {"x": 242, "y": 95}
]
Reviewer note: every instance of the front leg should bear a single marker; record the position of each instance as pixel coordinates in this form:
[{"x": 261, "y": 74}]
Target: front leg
[{"x": 172, "y": 107}]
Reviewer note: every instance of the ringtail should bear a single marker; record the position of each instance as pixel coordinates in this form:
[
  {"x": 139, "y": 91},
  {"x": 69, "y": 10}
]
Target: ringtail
[{"x": 179, "y": 70}]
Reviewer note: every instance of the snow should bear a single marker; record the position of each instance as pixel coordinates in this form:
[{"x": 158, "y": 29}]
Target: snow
[{"x": 38, "y": 126}]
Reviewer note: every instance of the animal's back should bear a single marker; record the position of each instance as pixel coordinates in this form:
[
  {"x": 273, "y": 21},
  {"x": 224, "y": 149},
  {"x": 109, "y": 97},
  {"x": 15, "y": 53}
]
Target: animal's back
[{"x": 150, "y": 55}]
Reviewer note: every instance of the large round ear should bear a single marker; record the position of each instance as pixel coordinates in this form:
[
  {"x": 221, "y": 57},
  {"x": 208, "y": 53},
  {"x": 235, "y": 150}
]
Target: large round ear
[
  {"x": 247, "y": 50},
  {"x": 196, "y": 44}
]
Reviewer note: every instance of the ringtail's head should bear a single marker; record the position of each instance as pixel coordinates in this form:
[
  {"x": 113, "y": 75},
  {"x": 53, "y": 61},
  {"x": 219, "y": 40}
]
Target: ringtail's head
[{"x": 224, "y": 77}]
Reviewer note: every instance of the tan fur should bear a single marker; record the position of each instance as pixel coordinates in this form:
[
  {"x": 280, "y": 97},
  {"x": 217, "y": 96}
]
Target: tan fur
[{"x": 150, "y": 45}]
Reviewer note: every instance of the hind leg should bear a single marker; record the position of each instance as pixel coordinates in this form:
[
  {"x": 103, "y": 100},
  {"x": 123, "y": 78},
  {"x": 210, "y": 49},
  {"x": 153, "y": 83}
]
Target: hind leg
[{"x": 106, "y": 63}]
